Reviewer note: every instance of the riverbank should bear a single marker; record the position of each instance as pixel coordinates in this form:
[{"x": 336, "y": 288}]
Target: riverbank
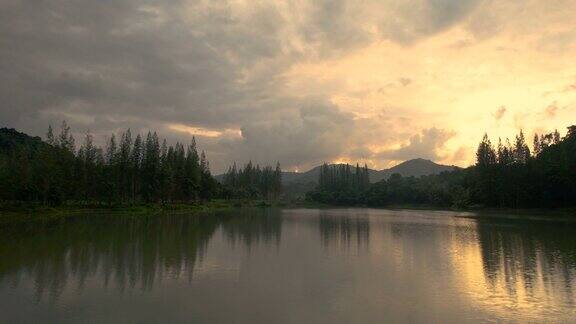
[
  {"x": 21, "y": 213},
  {"x": 24, "y": 212},
  {"x": 14, "y": 212}
]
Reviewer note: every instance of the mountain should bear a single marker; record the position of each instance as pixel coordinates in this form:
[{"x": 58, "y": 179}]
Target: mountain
[
  {"x": 410, "y": 168},
  {"x": 10, "y": 139},
  {"x": 298, "y": 183},
  {"x": 413, "y": 168}
]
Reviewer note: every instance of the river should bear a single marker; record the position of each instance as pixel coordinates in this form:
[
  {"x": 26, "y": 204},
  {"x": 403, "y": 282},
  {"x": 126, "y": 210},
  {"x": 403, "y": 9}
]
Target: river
[{"x": 290, "y": 266}]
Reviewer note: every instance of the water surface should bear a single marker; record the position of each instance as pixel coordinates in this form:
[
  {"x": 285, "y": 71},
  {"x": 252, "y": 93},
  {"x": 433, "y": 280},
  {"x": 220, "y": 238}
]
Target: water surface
[{"x": 290, "y": 266}]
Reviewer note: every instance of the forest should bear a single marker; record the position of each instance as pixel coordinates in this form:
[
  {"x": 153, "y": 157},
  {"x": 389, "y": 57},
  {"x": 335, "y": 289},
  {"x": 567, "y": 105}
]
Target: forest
[
  {"x": 252, "y": 182},
  {"x": 128, "y": 170},
  {"x": 144, "y": 169},
  {"x": 509, "y": 175},
  {"x": 338, "y": 184}
]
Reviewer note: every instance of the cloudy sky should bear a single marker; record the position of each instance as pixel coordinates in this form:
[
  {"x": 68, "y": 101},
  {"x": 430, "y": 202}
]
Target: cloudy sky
[{"x": 299, "y": 81}]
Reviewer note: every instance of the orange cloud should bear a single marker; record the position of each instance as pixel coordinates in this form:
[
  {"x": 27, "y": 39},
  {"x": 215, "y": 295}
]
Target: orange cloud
[{"x": 200, "y": 131}]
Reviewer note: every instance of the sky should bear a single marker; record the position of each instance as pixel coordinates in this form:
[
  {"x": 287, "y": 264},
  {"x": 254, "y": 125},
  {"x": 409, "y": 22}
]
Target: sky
[{"x": 295, "y": 81}]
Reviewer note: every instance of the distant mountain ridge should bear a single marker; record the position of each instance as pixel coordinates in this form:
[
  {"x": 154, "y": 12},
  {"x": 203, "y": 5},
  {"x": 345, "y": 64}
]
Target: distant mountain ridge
[
  {"x": 411, "y": 168},
  {"x": 415, "y": 167}
]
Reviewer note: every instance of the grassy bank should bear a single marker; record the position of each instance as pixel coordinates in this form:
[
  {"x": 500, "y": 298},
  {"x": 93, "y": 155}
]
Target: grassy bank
[
  {"x": 22, "y": 212},
  {"x": 11, "y": 213}
]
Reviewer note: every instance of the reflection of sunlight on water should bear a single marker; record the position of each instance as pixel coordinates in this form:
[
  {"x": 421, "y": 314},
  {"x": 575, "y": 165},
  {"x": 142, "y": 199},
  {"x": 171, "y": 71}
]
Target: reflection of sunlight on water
[
  {"x": 357, "y": 265},
  {"x": 510, "y": 272},
  {"x": 513, "y": 278}
]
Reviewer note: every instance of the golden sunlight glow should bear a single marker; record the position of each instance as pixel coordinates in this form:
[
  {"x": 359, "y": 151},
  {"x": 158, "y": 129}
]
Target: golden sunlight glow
[
  {"x": 508, "y": 289},
  {"x": 439, "y": 83},
  {"x": 199, "y": 131}
]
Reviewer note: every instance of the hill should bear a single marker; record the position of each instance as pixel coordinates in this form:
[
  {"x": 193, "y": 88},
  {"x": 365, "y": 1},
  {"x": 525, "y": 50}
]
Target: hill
[
  {"x": 10, "y": 139},
  {"x": 298, "y": 183},
  {"x": 413, "y": 168},
  {"x": 410, "y": 168}
]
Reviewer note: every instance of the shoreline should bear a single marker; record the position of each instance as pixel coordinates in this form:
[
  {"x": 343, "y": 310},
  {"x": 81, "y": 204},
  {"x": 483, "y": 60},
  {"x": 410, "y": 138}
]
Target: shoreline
[
  {"x": 18, "y": 213},
  {"x": 15, "y": 213}
]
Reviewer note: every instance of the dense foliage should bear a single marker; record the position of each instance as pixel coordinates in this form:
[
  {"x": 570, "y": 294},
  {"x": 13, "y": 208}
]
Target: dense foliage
[
  {"x": 338, "y": 184},
  {"x": 252, "y": 182},
  {"x": 130, "y": 170},
  {"x": 517, "y": 178},
  {"x": 509, "y": 175},
  {"x": 140, "y": 169}
]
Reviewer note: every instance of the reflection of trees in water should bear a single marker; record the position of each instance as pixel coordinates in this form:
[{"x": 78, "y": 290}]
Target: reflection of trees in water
[
  {"x": 251, "y": 226},
  {"x": 344, "y": 230},
  {"x": 126, "y": 250},
  {"x": 529, "y": 256}
]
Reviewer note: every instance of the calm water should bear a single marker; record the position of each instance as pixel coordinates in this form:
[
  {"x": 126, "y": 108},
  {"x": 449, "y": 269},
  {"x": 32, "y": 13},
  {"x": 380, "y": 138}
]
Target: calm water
[{"x": 290, "y": 266}]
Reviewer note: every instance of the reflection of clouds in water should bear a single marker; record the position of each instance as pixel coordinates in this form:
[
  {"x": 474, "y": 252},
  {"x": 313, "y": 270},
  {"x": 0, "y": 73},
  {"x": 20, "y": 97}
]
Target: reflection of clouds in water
[
  {"x": 354, "y": 264},
  {"x": 532, "y": 264},
  {"x": 522, "y": 267}
]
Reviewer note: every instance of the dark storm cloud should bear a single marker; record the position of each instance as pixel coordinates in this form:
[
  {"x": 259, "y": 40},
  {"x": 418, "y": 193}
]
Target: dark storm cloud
[
  {"x": 126, "y": 58},
  {"x": 334, "y": 26},
  {"x": 316, "y": 134},
  {"x": 108, "y": 65},
  {"x": 412, "y": 20}
]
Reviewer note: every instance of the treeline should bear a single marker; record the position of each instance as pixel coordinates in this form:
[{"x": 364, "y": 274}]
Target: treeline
[
  {"x": 252, "y": 182},
  {"x": 340, "y": 184},
  {"x": 508, "y": 175},
  {"x": 513, "y": 176},
  {"x": 128, "y": 170}
]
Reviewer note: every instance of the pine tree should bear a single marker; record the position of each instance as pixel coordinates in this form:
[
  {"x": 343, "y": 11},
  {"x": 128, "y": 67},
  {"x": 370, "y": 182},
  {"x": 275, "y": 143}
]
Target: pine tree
[
  {"x": 111, "y": 174},
  {"x": 151, "y": 168},
  {"x": 556, "y": 136},
  {"x": 164, "y": 173},
  {"x": 124, "y": 165},
  {"x": 193, "y": 171},
  {"x": 111, "y": 151},
  {"x": 88, "y": 155},
  {"x": 54, "y": 172},
  {"x": 67, "y": 181},
  {"x": 365, "y": 178},
  {"x": 50, "y": 139},
  {"x": 505, "y": 156},
  {"x": 253, "y": 181},
  {"x": 65, "y": 139},
  {"x": 521, "y": 150},
  {"x": 537, "y": 146},
  {"x": 135, "y": 167},
  {"x": 277, "y": 180},
  {"x": 485, "y": 154},
  {"x": 207, "y": 183}
]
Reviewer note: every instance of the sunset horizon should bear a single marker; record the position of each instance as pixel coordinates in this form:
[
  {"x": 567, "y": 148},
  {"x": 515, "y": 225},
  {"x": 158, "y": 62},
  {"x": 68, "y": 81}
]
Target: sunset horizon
[
  {"x": 287, "y": 161},
  {"x": 298, "y": 82}
]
